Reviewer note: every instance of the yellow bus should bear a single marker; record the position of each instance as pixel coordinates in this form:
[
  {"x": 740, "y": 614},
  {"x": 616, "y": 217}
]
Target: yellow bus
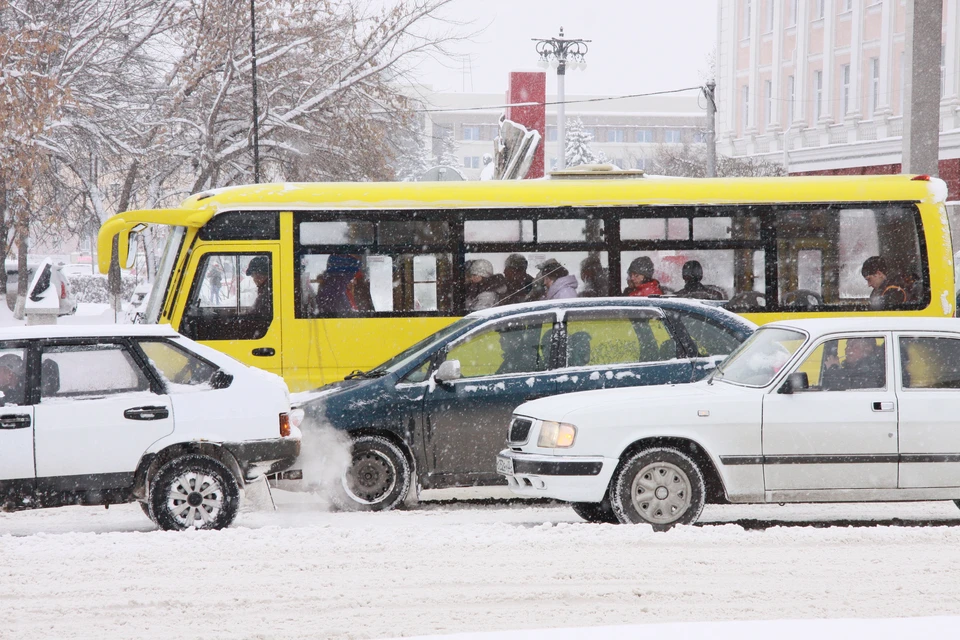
[{"x": 313, "y": 281}]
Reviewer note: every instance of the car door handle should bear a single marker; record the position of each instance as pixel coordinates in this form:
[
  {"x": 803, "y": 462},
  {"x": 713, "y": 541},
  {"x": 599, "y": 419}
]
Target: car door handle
[
  {"x": 14, "y": 421},
  {"x": 147, "y": 413},
  {"x": 264, "y": 351},
  {"x": 882, "y": 406}
]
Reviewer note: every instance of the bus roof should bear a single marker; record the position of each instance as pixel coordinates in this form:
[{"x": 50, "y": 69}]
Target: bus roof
[{"x": 557, "y": 193}]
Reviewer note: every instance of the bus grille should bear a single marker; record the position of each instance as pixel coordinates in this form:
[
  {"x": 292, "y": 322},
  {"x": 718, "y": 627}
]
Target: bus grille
[{"x": 520, "y": 429}]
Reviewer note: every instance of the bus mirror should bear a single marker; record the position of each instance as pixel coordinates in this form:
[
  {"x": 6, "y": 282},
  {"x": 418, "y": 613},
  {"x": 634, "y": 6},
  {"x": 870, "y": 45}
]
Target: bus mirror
[
  {"x": 448, "y": 371},
  {"x": 126, "y": 248}
]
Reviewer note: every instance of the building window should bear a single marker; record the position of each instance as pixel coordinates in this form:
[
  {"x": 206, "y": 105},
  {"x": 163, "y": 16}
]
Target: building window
[
  {"x": 551, "y": 134},
  {"x": 943, "y": 67},
  {"x": 746, "y": 18},
  {"x": 644, "y": 135},
  {"x": 672, "y": 135},
  {"x": 768, "y": 101},
  {"x": 791, "y": 13},
  {"x": 471, "y": 162},
  {"x": 845, "y": 81},
  {"x": 471, "y": 132},
  {"x": 791, "y": 98},
  {"x": 848, "y": 5},
  {"x": 699, "y": 137},
  {"x": 640, "y": 163},
  {"x": 820, "y": 8},
  {"x": 903, "y": 81},
  {"x": 770, "y": 15},
  {"x": 817, "y": 95},
  {"x": 616, "y": 135},
  {"x": 874, "y": 85},
  {"x": 745, "y": 105}
]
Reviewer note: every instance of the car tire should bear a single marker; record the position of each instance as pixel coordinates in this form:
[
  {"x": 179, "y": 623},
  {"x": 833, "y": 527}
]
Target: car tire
[
  {"x": 661, "y": 487},
  {"x": 145, "y": 506},
  {"x": 194, "y": 492},
  {"x": 378, "y": 477},
  {"x": 598, "y": 512}
]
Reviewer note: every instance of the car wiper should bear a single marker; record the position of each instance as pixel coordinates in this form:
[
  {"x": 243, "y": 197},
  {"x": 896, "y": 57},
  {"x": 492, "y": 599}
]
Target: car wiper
[
  {"x": 364, "y": 375},
  {"x": 717, "y": 374}
]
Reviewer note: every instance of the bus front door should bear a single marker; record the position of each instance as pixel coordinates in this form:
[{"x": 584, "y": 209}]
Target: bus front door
[{"x": 234, "y": 303}]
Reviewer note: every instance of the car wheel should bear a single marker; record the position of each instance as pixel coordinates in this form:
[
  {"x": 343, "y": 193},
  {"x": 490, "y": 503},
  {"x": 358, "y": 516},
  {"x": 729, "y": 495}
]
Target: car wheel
[
  {"x": 599, "y": 512},
  {"x": 378, "y": 477},
  {"x": 194, "y": 492},
  {"x": 660, "y": 487},
  {"x": 145, "y": 507}
]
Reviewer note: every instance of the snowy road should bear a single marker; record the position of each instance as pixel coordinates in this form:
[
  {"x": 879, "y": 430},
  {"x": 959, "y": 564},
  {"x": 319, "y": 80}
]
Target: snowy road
[{"x": 304, "y": 573}]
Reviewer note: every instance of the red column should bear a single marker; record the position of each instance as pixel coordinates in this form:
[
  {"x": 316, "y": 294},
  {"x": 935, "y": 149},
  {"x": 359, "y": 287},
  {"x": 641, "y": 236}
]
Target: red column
[{"x": 530, "y": 86}]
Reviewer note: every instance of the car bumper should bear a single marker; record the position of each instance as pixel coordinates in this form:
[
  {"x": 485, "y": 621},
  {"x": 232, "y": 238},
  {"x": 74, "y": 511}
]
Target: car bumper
[
  {"x": 261, "y": 457},
  {"x": 567, "y": 478}
]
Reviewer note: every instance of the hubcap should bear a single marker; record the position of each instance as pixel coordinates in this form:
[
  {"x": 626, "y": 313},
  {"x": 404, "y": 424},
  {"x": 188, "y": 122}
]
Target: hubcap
[
  {"x": 195, "y": 499},
  {"x": 370, "y": 478},
  {"x": 660, "y": 493}
]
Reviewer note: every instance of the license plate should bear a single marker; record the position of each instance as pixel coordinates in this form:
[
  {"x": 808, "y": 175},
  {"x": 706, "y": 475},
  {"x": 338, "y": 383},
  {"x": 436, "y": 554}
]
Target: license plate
[{"x": 505, "y": 465}]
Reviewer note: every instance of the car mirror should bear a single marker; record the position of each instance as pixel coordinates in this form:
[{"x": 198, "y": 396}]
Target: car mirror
[
  {"x": 448, "y": 371},
  {"x": 796, "y": 381},
  {"x": 221, "y": 379}
]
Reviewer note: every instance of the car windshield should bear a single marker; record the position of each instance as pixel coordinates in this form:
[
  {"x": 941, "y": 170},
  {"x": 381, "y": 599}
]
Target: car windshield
[
  {"x": 759, "y": 359},
  {"x": 416, "y": 351}
]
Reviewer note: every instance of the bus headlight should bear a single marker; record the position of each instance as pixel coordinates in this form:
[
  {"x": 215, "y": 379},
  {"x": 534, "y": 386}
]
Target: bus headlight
[{"x": 556, "y": 435}]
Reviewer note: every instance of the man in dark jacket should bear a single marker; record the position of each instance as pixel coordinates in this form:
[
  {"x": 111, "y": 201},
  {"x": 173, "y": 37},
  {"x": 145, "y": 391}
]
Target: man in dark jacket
[
  {"x": 864, "y": 367},
  {"x": 259, "y": 270},
  {"x": 887, "y": 292},
  {"x": 693, "y": 286}
]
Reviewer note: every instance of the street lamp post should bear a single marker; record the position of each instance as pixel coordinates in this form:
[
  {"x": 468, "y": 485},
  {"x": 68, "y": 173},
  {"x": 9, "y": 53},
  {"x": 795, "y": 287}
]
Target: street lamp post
[{"x": 557, "y": 52}]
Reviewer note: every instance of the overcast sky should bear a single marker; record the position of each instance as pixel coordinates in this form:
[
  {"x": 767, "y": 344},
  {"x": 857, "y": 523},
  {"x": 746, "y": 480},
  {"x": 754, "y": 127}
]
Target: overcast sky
[{"x": 637, "y": 45}]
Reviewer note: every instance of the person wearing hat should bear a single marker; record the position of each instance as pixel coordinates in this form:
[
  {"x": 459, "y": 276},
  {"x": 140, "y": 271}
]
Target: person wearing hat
[
  {"x": 558, "y": 281},
  {"x": 516, "y": 279},
  {"x": 640, "y": 279},
  {"x": 259, "y": 270},
  {"x": 334, "y": 293},
  {"x": 484, "y": 288},
  {"x": 693, "y": 286}
]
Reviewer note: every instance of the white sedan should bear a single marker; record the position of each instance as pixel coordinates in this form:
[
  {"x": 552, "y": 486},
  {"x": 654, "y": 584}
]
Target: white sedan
[
  {"x": 122, "y": 413},
  {"x": 827, "y": 410}
]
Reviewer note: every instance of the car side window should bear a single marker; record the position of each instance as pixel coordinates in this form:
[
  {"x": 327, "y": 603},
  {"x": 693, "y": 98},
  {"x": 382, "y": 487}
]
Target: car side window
[
  {"x": 710, "y": 338},
  {"x": 179, "y": 367},
  {"x": 232, "y": 298},
  {"x": 516, "y": 346},
  {"x": 604, "y": 338},
  {"x": 930, "y": 363},
  {"x": 12, "y": 376},
  {"x": 88, "y": 371},
  {"x": 847, "y": 364}
]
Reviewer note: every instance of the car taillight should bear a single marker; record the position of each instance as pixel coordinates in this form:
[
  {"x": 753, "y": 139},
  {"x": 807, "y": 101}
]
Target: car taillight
[
  {"x": 63, "y": 290},
  {"x": 284, "y": 425}
]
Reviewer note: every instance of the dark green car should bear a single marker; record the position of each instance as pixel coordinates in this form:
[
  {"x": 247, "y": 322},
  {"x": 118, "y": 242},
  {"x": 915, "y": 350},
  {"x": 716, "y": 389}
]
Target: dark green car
[{"x": 435, "y": 415}]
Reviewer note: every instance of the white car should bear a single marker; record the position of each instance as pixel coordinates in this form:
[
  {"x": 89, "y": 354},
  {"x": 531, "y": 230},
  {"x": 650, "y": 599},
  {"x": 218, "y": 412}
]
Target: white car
[
  {"x": 827, "y": 410},
  {"x": 118, "y": 413}
]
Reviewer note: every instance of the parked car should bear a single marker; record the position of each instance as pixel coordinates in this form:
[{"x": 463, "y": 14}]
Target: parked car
[
  {"x": 433, "y": 415},
  {"x": 827, "y": 410},
  {"x": 117, "y": 413}
]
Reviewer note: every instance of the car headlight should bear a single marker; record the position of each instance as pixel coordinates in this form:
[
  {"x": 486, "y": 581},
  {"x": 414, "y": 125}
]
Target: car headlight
[{"x": 556, "y": 435}]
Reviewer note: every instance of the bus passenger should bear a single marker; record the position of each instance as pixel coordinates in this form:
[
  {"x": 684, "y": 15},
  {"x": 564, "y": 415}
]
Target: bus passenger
[
  {"x": 517, "y": 281},
  {"x": 640, "y": 279},
  {"x": 693, "y": 286},
  {"x": 259, "y": 270},
  {"x": 594, "y": 277},
  {"x": 484, "y": 288},
  {"x": 558, "y": 281},
  {"x": 332, "y": 294},
  {"x": 887, "y": 293}
]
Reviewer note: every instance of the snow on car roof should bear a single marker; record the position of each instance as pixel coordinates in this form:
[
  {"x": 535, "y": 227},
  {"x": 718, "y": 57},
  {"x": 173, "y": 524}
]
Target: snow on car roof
[
  {"x": 821, "y": 326},
  {"x": 86, "y": 331}
]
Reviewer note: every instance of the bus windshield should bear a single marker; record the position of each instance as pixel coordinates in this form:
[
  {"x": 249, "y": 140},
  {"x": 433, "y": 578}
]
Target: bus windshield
[{"x": 161, "y": 283}]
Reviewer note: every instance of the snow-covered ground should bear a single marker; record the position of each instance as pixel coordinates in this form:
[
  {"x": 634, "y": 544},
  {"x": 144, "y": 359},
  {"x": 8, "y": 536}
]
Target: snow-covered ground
[{"x": 459, "y": 567}]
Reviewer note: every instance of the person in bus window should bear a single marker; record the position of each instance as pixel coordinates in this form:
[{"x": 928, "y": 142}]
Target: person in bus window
[
  {"x": 259, "y": 270},
  {"x": 334, "y": 292},
  {"x": 517, "y": 281},
  {"x": 558, "y": 281},
  {"x": 594, "y": 278},
  {"x": 484, "y": 288},
  {"x": 693, "y": 286},
  {"x": 887, "y": 292},
  {"x": 640, "y": 279}
]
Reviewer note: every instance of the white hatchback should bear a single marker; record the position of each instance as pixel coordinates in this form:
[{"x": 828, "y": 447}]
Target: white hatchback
[
  {"x": 118, "y": 413},
  {"x": 827, "y": 410}
]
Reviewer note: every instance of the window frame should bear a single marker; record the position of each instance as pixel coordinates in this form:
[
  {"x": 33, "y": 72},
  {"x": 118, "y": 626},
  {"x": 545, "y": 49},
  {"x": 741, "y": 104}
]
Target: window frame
[
  {"x": 440, "y": 355},
  {"x": 38, "y": 347}
]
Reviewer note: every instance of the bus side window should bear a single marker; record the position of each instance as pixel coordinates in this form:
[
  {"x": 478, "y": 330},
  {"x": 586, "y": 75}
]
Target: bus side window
[{"x": 231, "y": 298}]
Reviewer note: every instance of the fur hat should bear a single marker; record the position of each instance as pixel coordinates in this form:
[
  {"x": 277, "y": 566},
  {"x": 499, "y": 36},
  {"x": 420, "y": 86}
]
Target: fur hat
[
  {"x": 642, "y": 266},
  {"x": 482, "y": 268}
]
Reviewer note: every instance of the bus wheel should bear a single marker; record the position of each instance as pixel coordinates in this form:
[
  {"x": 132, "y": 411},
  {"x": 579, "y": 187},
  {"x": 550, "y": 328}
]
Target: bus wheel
[
  {"x": 661, "y": 487},
  {"x": 378, "y": 477}
]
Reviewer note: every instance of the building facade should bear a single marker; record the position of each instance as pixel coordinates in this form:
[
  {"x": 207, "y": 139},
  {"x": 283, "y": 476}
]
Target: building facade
[
  {"x": 627, "y": 130},
  {"x": 819, "y": 84}
]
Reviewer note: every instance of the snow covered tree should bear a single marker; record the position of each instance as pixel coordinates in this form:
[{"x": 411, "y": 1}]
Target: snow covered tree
[
  {"x": 578, "y": 144},
  {"x": 411, "y": 158},
  {"x": 448, "y": 152},
  {"x": 691, "y": 161}
]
